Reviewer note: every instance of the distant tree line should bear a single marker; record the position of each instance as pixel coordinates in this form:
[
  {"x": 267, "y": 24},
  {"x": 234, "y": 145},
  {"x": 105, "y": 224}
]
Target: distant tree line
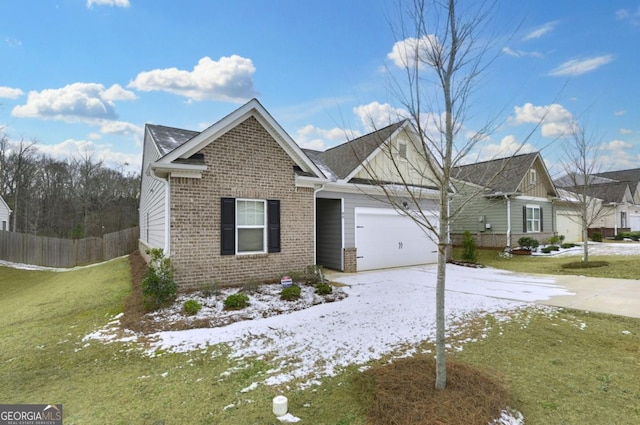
[{"x": 73, "y": 198}]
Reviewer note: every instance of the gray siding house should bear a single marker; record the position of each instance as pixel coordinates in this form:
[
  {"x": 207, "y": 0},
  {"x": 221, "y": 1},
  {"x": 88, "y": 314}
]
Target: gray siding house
[
  {"x": 5, "y": 213},
  {"x": 500, "y": 201}
]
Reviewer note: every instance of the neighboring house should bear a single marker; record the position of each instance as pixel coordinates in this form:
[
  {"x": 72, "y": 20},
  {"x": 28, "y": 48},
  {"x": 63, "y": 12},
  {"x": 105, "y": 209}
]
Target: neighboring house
[
  {"x": 632, "y": 177},
  {"x": 5, "y": 213},
  {"x": 614, "y": 201},
  {"x": 504, "y": 199},
  {"x": 241, "y": 201}
]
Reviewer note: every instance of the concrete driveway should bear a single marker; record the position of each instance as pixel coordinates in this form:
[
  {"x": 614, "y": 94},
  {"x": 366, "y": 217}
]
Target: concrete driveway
[{"x": 602, "y": 295}]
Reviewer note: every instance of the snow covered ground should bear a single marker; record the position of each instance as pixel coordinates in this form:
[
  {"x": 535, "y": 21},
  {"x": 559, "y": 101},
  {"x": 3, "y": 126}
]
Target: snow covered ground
[
  {"x": 386, "y": 313},
  {"x": 604, "y": 248}
]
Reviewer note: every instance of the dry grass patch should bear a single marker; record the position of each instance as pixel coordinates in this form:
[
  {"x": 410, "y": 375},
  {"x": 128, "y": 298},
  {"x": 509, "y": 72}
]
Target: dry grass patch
[{"x": 405, "y": 394}]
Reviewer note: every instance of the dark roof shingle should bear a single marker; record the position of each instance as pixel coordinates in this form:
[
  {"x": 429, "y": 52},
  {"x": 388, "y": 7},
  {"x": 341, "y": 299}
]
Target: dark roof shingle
[{"x": 499, "y": 175}]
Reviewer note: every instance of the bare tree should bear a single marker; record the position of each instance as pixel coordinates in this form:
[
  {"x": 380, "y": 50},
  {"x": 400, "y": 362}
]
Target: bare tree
[
  {"x": 585, "y": 190},
  {"x": 442, "y": 56},
  {"x": 444, "y": 51}
]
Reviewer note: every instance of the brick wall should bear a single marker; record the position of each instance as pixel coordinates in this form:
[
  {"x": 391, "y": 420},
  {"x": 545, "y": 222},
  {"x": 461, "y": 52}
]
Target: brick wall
[
  {"x": 350, "y": 260},
  {"x": 244, "y": 163}
]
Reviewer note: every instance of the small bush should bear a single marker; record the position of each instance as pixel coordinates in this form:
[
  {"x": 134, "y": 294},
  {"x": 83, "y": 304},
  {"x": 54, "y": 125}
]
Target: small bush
[
  {"x": 554, "y": 240},
  {"x": 191, "y": 307},
  {"x": 290, "y": 293},
  {"x": 596, "y": 237},
  {"x": 158, "y": 287},
  {"x": 211, "y": 289},
  {"x": 314, "y": 275},
  {"x": 250, "y": 286},
  {"x": 236, "y": 301},
  {"x": 529, "y": 243},
  {"x": 323, "y": 289},
  {"x": 469, "y": 249},
  {"x": 568, "y": 245},
  {"x": 549, "y": 249},
  {"x": 618, "y": 237}
]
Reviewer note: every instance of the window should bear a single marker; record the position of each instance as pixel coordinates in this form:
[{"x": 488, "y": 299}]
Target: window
[
  {"x": 250, "y": 226},
  {"x": 402, "y": 150},
  {"x": 533, "y": 176},
  {"x": 250, "y": 219},
  {"x": 532, "y": 215},
  {"x": 623, "y": 219}
]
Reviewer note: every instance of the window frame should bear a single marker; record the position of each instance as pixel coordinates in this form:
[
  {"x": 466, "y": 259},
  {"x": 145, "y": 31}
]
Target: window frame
[
  {"x": 262, "y": 226},
  {"x": 531, "y": 222},
  {"x": 533, "y": 176}
]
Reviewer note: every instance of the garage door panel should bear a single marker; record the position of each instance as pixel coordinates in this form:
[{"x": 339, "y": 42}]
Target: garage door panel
[{"x": 385, "y": 239}]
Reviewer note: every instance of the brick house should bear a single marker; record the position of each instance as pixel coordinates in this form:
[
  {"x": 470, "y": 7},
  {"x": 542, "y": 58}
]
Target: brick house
[{"x": 242, "y": 201}]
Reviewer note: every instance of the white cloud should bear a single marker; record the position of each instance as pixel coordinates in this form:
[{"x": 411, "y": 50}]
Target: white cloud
[
  {"x": 10, "y": 93},
  {"x": 228, "y": 79},
  {"x": 376, "y": 115},
  {"x": 86, "y": 102},
  {"x": 311, "y": 137},
  {"x": 619, "y": 113},
  {"x": 554, "y": 119},
  {"x": 576, "y": 67},
  {"x": 616, "y": 145},
  {"x": 72, "y": 148},
  {"x": 625, "y": 131},
  {"x": 540, "y": 31},
  {"x": 508, "y": 146},
  {"x": 521, "y": 53},
  {"x": 121, "y": 127},
  {"x": 12, "y": 42},
  {"x": 405, "y": 52},
  {"x": 633, "y": 16},
  {"x": 117, "y": 3}
]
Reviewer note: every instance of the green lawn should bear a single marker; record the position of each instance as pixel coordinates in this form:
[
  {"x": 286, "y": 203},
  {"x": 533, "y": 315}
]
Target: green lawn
[
  {"x": 567, "y": 367},
  {"x": 620, "y": 266}
]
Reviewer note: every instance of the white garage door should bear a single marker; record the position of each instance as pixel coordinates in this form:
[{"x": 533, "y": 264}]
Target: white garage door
[
  {"x": 634, "y": 222},
  {"x": 384, "y": 238},
  {"x": 567, "y": 224}
]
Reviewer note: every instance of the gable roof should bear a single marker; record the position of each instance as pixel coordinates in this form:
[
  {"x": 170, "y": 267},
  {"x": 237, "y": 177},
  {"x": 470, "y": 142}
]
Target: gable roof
[
  {"x": 346, "y": 159},
  {"x": 3, "y": 203},
  {"x": 167, "y": 139},
  {"x": 615, "y": 192},
  {"x": 179, "y": 147},
  {"x": 631, "y": 176},
  {"x": 500, "y": 176}
]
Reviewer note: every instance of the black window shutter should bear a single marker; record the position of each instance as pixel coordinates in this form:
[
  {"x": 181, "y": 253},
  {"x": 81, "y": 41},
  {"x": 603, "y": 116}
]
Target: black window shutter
[
  {"x": 273, "y": 219},
  {"x": 524, "y": 219},
  {"x": 228, "y": 226},
  {"x": 541, "y": 220}
]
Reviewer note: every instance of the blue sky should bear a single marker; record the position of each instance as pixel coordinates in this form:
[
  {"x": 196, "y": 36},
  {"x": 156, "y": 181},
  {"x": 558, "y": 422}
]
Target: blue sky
[{"x": 84, "y": 76}]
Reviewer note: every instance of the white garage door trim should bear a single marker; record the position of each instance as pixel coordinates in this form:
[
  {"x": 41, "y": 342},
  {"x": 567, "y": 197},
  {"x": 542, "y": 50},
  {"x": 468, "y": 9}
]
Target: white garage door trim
[
  {"x": 384, "y": 238},
  {"x": 634, "y": 222}
]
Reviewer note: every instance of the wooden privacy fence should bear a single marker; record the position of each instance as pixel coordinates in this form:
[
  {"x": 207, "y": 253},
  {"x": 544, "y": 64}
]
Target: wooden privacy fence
[{"x": 56, "y": 252}]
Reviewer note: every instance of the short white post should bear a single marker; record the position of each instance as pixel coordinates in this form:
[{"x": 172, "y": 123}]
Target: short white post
[{"x": 280, "y": 405}]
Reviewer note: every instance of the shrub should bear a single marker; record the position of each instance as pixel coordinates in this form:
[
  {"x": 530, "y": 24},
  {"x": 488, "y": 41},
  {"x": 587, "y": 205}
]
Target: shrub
[
  {"x": 567, "y": 245},
  {"x": 554, "y": 240},
  {"x": 618, "y": 237},
  {"x": 158, "y": 286},
  {"x": 526, "y": 242},
  {"x": 596, "y": 237},
  {"x": 211, "y": 289},
  {"x": 191, "y": 307},
  {"x": 469, "y": 249},
  {"x": 236, "y": 301},
  {"x": 323, "y": 289},
  {"x": 549, "y": 249},
  {"x": 314, "y": 275},
  {"x": 290, "y": 293}
]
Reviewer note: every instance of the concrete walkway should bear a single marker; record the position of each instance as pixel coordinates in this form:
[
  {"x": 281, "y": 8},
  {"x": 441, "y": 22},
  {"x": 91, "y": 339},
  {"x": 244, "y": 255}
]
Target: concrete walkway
[{"x": 602, "y": 295}]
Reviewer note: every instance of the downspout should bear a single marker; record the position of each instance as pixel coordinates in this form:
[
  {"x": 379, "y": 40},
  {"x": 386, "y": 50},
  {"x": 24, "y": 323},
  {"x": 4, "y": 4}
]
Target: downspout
[
  {"x": 315, "y": 222},
  {"x": 508, "y": 220},
  {"x": 615, "y": 219},
  {"x": 167, "y": 211}
]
